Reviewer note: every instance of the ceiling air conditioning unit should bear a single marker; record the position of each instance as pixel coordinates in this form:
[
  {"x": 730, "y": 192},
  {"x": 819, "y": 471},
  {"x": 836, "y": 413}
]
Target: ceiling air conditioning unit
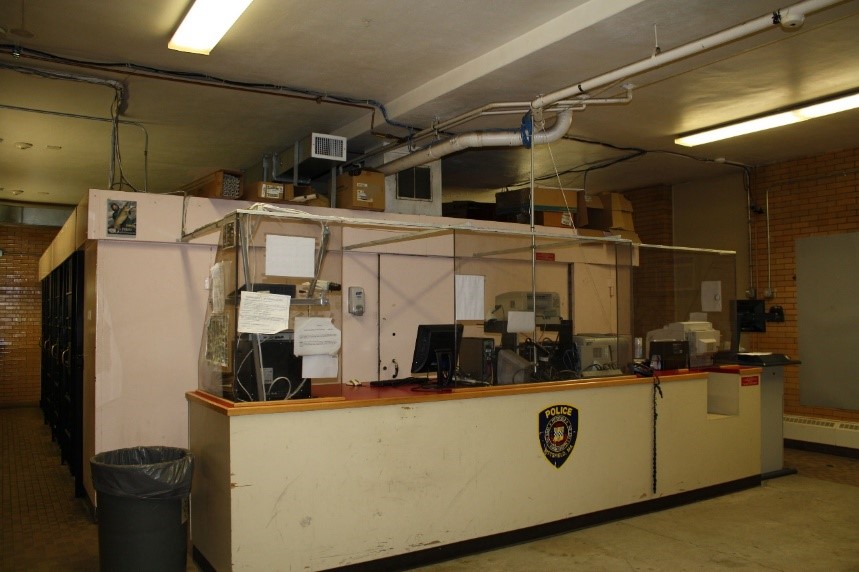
[{"x": 312, "y": 156}]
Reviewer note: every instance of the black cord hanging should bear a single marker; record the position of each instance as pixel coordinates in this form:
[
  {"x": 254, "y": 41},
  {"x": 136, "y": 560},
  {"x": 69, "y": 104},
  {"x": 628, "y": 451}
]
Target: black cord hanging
[{"x": 656, "y": 389}]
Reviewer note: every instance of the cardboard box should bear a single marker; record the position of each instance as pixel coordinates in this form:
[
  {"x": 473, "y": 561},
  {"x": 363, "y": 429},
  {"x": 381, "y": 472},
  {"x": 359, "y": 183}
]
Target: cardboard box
[
  {"x": 610, "y": 219},
  {"x": 593, "y": 201},
  {"x": 616, "y": 212},
  {"x": 615, "y": 201},
  {"x": 363, "y": 191},
  {"x": 545, "y": 199},
  {"x": 553, "y": 218},
  {"x": 469, "y": 209},
  {"x": 217, "y": 185},
  {"x": 264, "y": 192}
]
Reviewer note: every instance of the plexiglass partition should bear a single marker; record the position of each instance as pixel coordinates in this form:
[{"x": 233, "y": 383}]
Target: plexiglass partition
[
  {"x": 273, "y": 326},
  {"x": 684, "y": 295},
  {"x": 302, "y": 303}
]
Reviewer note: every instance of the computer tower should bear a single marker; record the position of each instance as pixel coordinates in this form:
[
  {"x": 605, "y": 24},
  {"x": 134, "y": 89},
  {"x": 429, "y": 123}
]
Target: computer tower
[
  {"x": 475, "y": 358},
  {"x": 669, "y": 355},
  {"x": 281, "y": 370}
]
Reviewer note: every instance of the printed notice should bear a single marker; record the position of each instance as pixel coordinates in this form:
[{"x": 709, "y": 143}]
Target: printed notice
[
  {"x": 315, "y": 336},
  {"x": 520, "y": 322},
  {"x": 319, "y": 366},
  {"x": 290, "y": 256},
  {"x": 263, "y": 313},
  {"x": 469, "y": 297}
]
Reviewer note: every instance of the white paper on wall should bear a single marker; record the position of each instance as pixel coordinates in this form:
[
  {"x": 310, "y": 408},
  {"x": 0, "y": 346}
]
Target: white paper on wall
[
  {"x": 263, "y": 313},
  {"x": 711, "y": 296},
  {"x": 319, "y": 366},
  {"x": 469, "y": 296},
  {"x": 316, "y": 336},
  {"x": 520, "y": 322},
  {"x": 290, "y": 256}
]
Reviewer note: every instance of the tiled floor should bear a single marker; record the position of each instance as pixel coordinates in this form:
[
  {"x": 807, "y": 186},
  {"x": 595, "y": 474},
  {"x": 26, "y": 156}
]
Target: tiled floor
[{"x": 802, "y": 522}]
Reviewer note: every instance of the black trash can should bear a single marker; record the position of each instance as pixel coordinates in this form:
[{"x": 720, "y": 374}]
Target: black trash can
[{"x": 143, "y": 507}]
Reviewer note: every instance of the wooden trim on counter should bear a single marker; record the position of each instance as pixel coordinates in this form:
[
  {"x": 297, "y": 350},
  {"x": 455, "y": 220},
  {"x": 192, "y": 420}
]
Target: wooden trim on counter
[{"x": 365, "y": 396}]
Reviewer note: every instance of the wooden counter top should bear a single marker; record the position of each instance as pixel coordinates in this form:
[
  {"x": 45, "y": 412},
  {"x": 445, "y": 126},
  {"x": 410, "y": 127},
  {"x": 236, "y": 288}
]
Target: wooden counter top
[{"x": 327, "y": 397}]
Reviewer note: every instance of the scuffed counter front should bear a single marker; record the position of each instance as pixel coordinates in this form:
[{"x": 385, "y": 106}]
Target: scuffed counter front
[{"x": 328, "y": 483}]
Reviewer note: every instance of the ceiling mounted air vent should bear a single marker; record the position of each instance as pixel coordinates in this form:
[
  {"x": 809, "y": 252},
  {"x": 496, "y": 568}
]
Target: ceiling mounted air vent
[{"x": 312, "y": 156}]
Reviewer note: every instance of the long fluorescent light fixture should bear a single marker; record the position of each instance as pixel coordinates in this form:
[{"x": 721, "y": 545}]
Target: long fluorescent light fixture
[
  {"x": 770, "y": 121},
  {"x": 205, "y": 24}
]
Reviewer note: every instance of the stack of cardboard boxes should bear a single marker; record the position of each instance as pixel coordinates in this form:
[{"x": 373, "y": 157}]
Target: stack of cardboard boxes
[
  {"x": 364, "y": 190},
  {"x": 610, "y": 213},
  {"x": 605, "y": 214},
  {"x": 552, "y": 206}
]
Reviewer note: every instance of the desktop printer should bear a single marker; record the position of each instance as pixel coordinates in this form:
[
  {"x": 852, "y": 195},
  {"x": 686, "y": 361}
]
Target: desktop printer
[
  {"x": 703, "y": 340},
  {"x": 546, "y": 311}
]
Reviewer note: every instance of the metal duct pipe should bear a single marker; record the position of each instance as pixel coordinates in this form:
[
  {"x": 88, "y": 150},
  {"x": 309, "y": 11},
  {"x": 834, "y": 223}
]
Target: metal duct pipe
[
  {"x": 670, "y": 56},
  {"x": 479, "y": 139}
]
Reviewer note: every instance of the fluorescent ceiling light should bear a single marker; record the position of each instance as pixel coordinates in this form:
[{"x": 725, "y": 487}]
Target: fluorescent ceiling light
[
  {"x": 205, "y": 24},
  {"x": 770, "y": 121}
]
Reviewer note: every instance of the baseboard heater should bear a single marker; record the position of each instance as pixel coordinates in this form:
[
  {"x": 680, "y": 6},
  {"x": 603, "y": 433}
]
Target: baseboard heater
[{"x": 823, "y": 431}]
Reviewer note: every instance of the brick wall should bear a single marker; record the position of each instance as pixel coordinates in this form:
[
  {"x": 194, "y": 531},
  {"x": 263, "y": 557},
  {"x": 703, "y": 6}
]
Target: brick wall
[
  {"x": 813, "y": 196},
  {"x": 21, "y": 312},
  {"x": 653, "y": 279}
]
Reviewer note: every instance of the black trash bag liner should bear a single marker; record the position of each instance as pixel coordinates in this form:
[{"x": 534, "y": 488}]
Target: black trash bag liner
[{"x": 144, "y": 472}]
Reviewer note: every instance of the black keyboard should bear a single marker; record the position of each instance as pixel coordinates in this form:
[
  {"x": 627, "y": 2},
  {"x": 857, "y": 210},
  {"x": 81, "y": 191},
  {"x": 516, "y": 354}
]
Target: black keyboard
[{"x": 400, "y": 381}]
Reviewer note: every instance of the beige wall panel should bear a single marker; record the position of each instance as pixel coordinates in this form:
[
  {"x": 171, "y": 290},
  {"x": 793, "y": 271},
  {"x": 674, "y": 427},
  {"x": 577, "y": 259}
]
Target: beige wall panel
[
  {"x": 151, "y": 310},
  {"x": 413, "y": 290},
  {"x": 595, "y": 299}
]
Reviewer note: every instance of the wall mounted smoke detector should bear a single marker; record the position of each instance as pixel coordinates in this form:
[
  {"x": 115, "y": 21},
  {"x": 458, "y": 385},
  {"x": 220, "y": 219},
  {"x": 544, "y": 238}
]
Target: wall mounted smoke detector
[{"x": 790, "y": 20}]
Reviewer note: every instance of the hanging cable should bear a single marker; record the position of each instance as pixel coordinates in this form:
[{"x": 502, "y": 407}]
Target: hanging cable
[
  {"x": 209, "y": 80},
  {"x": 657, "y": 388}
]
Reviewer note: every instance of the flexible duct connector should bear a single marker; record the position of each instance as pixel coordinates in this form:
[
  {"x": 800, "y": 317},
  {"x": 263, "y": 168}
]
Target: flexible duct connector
[{"x": 511, "y": 138}]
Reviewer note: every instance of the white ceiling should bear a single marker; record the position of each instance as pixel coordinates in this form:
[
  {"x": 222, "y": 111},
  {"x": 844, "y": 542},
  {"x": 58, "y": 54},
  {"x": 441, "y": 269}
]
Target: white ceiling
[{"x": 424, "y": 60}]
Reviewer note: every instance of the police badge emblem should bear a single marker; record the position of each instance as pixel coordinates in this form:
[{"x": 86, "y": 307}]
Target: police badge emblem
[{"x": 559, "y": 426}]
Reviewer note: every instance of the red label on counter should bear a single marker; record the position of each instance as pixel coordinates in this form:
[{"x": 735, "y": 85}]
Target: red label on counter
[
  {"x": 748, "y": 380},
  {"x": 545, "y": 256}
]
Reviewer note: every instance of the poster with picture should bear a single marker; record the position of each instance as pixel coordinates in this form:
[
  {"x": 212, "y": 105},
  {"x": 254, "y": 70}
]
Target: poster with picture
[{"x": 122, "y": 218}]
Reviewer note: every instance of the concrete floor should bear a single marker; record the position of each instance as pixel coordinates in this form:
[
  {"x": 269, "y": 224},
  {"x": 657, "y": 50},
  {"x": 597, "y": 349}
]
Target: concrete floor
[
  {"x": 789, "y": 523},
  {"x": 803, "y": 522}
]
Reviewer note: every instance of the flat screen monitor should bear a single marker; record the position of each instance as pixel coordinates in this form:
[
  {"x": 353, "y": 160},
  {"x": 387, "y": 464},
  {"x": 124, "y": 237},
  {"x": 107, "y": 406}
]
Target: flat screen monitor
[
  {"x": 751, "y": 316},
  {"x": 434, "y": 342}
]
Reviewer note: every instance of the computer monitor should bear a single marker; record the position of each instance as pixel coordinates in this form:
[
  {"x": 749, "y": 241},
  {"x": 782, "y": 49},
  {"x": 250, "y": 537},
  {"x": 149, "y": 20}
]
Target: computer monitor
[
  {"x": 746, "y": 316},
  {"x": 513, "y": 368},
  {"x": 436, "y": 349},
  {"x": 751, "y": 316}
]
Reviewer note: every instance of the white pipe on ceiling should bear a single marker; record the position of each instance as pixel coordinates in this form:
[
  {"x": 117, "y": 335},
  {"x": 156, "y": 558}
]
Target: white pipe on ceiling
[
  {"x": 686, "y": 50},
  {"x": 578, "y": 90}
]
